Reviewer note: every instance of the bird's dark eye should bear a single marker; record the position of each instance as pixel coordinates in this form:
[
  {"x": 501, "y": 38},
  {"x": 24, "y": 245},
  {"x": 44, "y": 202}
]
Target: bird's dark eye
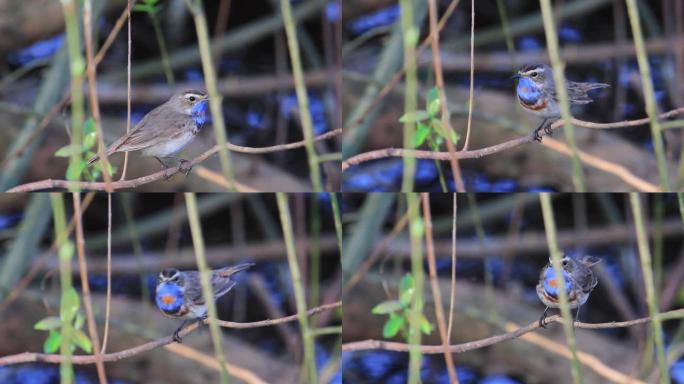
[
  {"x": 565, "y": 263},
  {"x": 533, "y": 74},
  {"x": 192, "y": 98}
]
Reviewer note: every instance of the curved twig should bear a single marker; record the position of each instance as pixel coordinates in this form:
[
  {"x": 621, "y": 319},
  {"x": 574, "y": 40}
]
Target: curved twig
[
  {"x": 469, "y": 346},
  {"x": 478, "y": 153},
  {"x": 133, "y": 183},
  {"x": 90, "y": 359}
]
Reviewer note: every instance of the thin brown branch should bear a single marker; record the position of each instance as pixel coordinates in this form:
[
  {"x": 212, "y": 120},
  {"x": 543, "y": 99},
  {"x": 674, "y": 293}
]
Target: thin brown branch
[
  {"x": 446, "y": 119},
  {"x": 116, "y": 356},
  {"x": 477, "y": 344},
  {"x": 91, "y": 72},
  {"x": 478, "y": 153},
  {"x": 133, "y": 183},
  {"x": 434, "y": 285},
  {"x": 85, "y": 287}
]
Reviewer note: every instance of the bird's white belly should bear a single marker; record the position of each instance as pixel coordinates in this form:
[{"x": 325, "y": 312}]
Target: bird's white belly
[{"x": 169, "y": 147}]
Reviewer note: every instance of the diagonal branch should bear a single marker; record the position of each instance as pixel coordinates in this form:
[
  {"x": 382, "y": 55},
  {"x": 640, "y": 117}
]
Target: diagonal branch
[
  {"x": 477, "y": 344},
  {"x": 478, "y": 153},
  {"x": 133, "y": 183},
  {"x": 116, "y": 356}
]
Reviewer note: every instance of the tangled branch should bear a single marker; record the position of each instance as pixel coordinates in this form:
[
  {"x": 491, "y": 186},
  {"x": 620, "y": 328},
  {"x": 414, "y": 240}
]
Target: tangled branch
[
  {"x": 471, "y": 345},
  {"x": 27, "y": 357},
  {"x": 133, "y": 183},
  {"x": 478, "y": 153}
]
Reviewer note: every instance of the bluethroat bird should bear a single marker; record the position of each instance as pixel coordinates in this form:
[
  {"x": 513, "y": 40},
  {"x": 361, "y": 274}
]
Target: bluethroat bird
[
  {"x": 537, "y": 94},
  {"x": 165, "y": 130},
  {"x": 179, "y": 293},
  {"x": 579, "y": 282}
]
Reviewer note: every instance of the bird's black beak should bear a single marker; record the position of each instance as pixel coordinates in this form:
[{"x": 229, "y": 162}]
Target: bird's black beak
[{"x": 516, "y": 76}]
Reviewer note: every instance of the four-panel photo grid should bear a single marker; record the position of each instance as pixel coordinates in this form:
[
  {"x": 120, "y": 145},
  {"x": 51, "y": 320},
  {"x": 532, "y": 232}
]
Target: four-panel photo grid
[{"x": 341, "y": 191}]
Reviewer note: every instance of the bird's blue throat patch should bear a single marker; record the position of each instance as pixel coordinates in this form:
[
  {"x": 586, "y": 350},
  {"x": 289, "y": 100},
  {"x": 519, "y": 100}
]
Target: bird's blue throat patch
[
  {"x": 528, "y": 91},
  {"x": 551, "y": 284},
  {"x": 169, "y": 298},
  {"x": 198, "y": 112}
]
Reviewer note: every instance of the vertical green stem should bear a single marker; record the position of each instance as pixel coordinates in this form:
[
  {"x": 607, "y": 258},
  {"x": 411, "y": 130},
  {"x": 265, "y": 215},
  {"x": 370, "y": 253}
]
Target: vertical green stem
[
  {"x": 66, "y": 251},
  {"x": 311, "y": 375},
  {"x": 561, "y": 92},
  {"x": 77, "y": 70},
  {"x": 649, "y": 284},
  {"x": 168, "y": 71},
  {"x": 410, "y": 33},
  {"x": 550, "y": 229},
  {"x": 302, "y": 97},
  {"x": 215, "y": 99},
  {"x": 649, "y": 94},
  {"x": 315, "y": 253},
  {"x": 205, "y": 272},
  {"x": 416, "y": 230},
  {"x": 337, "y": 219}
]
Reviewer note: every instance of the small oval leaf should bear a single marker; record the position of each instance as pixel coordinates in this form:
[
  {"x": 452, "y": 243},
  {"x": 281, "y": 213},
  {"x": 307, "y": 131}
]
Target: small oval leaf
[
  {"x": 52, "y": 342},
  {"x": 387, "y": 307},
  {"x": 82, "y": 341},
  {"x": 392, "y": 326},
  {"x": 48, "y": 323}
]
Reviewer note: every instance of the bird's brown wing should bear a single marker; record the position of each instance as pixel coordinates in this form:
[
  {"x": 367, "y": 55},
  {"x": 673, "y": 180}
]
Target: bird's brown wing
[{"x": 144, "y": 133}]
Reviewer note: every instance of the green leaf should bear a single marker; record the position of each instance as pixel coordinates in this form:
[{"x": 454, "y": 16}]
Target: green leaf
[
  {"x": 75, "y": 170},
  {"x": 434, "y": 105},
  {"x": 143, "y": 8},
  {"x": 51, "y": 344},
  {"x": 82, "y": 341},
  {"x": 388, "y": 306},
  {"x": 425, "y": 325},
  {"x": 89, "y": 140},
  {"x": 392, "y": 326},
  {"x": 70, "y": 305},
  {"x": 48, "y": 323},
  {"x": 69, "y": 150},
  {"x": 89, "y": 126},
  {"x": 421, "y": 134},
  {"x": 414, "y": 117},
  {"x": 78, "y": 323},
  {"x": 406, "y": 288},
  {"x": 439, "y": 128}
]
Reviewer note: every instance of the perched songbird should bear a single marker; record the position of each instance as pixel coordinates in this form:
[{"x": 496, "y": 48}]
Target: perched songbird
[
  {"x": 165, "y": 130},
  {"x": 579, "y": 282},
  {"x": 537, "y": 94},
  {"x": 179, "y": 293}
]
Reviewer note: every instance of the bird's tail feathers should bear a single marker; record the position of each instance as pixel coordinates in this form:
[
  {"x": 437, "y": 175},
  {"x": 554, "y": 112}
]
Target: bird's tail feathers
[{"x": 229, "y": 271}]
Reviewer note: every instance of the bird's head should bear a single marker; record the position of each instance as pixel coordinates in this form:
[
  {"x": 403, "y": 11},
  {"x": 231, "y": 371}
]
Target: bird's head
[
  {"x": 537, "y": 73},
  {"x": 191, "y": 102}
]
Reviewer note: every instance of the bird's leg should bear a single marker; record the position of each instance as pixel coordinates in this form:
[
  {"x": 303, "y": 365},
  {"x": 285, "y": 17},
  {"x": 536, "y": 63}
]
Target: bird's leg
[
  {"x": 537, "y": 132},
  {"x": 167, "y": 176},
  {"x": 542, "y": 319},
  {"x": 184, "y": 166},
  {"x": 176, "y": 336},
  {"x": 547, "y": 128},
  {"x": 577, "y": 315}
]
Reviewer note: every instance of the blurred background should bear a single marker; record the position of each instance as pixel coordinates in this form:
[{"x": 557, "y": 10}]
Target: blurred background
[
  {"x": 251, "y": 60},
  {"x": 151, "y": 232},
  {"x": 501, "y": 247},
  {"x": 597, "y": 45}
]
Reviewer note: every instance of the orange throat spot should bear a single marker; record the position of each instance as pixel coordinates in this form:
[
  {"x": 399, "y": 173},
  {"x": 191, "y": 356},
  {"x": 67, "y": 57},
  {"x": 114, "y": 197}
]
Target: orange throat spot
[
  {"x": 553, "y": 283},
  {"x": 168, "y": 299}
]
